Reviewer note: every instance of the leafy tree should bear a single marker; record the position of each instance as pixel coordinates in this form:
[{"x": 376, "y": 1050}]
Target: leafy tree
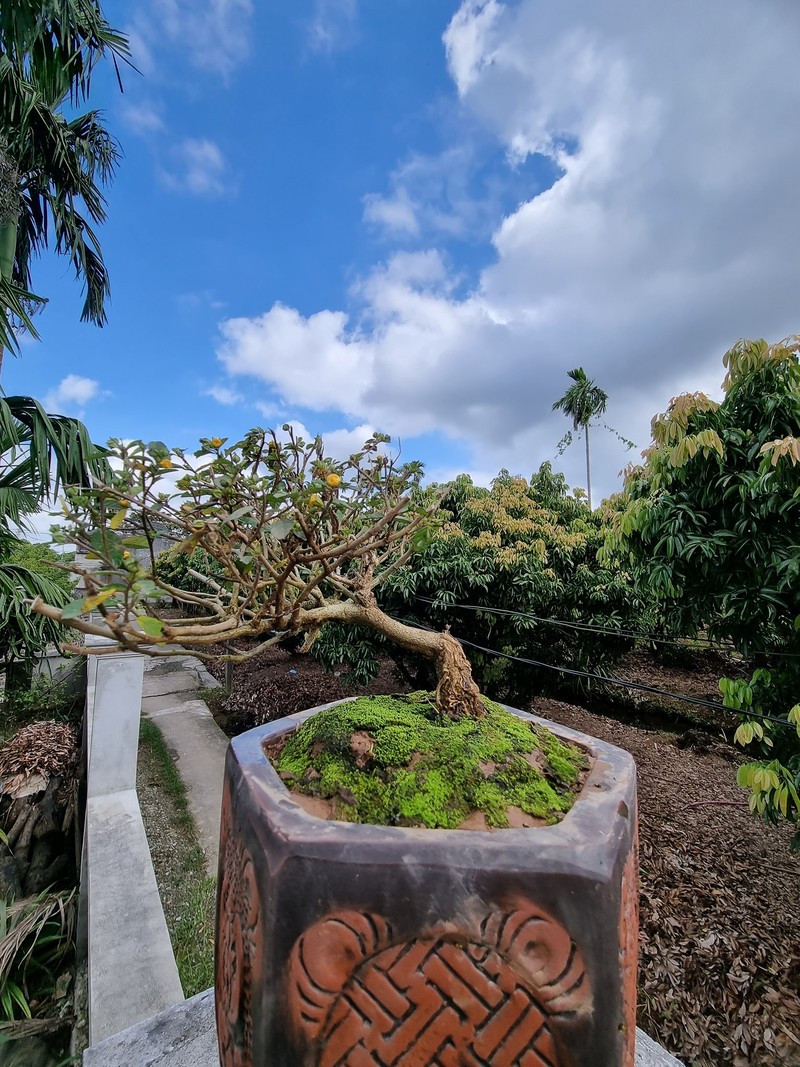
[
  {"x": 710, "y": 522},
  {"x": 302, "y": 541},
  {"x": 51, "y": 165},
  {"x": 582, "y": 403},
  {"x": 527, "y": 548}
]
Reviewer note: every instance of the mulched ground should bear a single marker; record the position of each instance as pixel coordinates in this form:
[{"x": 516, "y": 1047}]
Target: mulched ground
[{"x": 720, "y": 892}]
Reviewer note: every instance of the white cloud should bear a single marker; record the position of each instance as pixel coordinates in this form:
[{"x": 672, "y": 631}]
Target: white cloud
[
  {"x": 341, "y": 444},
  {"x": 200, "y": 300},
  {"x": 216, "y": 34},
  {"x": 199, "y": 168},
  {"x": 72, "y": 393},
  {"x": 669, "y": 234},
  {"x": 438, "y": 195},
  {"x": 469, "y": 40},
  {"x": 223, "y": 394},
  {"x": 142, "y": 119},
  {"x": 332, "y": 25},
  {"x": 395, "y": 213}
]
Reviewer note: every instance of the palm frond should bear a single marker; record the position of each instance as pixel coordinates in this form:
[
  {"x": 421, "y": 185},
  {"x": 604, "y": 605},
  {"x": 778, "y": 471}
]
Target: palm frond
[
  {"x": 21, "y": 632},
  {"x": 59, "y": 41},
  {"x": 14, "y": 305},
  {"x": 56, "y": 450}
]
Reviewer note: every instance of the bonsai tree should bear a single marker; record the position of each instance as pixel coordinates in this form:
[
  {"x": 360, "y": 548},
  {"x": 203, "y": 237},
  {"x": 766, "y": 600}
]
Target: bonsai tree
[{"x": 297, "y": 540}]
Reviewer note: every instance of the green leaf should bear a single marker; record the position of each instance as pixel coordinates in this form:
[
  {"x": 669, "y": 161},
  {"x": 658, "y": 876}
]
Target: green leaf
[
  {"x": 73, "y": 609},
  {"x": 136, "y": 541},
  {"x": 152, "y": 627},
  {"x": 280, "y": 528}
]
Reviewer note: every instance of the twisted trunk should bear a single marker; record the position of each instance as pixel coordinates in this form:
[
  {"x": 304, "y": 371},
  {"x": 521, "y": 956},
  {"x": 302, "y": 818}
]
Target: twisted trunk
[{"x": 457, "y": 694}]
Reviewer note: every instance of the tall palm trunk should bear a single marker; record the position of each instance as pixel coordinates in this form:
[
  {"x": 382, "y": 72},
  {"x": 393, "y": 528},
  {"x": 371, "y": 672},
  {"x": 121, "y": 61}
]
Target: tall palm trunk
[{"x": 588, "y": 467}]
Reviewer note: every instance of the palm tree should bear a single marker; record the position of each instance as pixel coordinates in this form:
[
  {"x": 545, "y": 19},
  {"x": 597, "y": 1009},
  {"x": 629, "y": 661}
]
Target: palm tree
[
  {"x": 52, "y": 167},
  {"x": 38, "y": 454},
  {"x": 582, "y": 402}
]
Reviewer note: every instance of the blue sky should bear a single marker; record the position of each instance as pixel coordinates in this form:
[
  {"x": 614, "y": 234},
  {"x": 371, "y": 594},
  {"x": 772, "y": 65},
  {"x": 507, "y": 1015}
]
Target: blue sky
[{"x": 417, "y": 215}]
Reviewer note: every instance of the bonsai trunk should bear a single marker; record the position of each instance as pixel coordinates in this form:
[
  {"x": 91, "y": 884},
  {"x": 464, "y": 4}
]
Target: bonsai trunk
[{"x": 457, "y": 695}]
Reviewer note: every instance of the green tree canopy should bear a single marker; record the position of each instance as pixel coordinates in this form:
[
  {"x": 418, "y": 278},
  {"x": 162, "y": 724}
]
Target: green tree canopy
[
  {"x": 711, "y": 523},
  {"x": 526, "y": 547}
]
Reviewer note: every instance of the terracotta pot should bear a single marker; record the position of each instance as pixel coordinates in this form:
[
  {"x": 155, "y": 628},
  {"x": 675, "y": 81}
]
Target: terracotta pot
[{"x": 342, "y": 945}]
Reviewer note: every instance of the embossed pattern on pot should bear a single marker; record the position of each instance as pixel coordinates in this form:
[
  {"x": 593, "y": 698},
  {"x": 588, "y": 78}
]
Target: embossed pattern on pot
[{"x": 448, "y": 1000}]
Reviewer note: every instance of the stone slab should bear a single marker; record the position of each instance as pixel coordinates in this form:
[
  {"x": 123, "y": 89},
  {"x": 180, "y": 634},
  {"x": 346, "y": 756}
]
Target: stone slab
[
  {"x": 650, "y": 1054},
  {"x": 185, "y": 1036},
  {"x": 184, "y": 664},
  {"x": 132, "y": 971},
  {"x": 114, "y": 731},
  {"x": 157, "y": 685},
  {"x": 198, "y": 747}
]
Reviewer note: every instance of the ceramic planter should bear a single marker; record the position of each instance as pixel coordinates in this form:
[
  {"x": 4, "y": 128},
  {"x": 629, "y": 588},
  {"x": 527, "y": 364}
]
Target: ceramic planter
[{"x": 343, "y": 945}]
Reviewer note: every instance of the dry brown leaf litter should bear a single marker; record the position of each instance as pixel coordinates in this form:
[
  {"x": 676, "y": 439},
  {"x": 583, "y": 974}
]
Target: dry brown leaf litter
[{"x": 41, "y": 749}]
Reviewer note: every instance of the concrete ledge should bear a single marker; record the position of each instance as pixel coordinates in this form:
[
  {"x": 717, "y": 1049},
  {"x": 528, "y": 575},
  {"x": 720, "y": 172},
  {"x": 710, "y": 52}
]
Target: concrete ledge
[
  {"x": 185, "y": 1036},
  {"x": 132, "y": 971}
]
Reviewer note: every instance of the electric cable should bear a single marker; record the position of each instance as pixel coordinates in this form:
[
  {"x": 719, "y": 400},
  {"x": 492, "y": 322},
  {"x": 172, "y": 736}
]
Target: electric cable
[
  {"x": 594, "y": 628},
  {"x": 611, "y": 680}
]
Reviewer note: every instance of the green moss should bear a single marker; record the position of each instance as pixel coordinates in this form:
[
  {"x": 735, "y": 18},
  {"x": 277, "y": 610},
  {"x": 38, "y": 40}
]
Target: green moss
[{"x": 410, "y": 767}]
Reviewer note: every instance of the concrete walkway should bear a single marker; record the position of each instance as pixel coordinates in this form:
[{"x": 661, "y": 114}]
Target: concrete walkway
[{"x": 196, "y": 743}]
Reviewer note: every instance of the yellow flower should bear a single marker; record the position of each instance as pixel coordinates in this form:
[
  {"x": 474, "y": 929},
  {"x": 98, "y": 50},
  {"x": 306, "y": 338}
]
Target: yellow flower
[
  {"x": 315, "y": 500},
  {"x": 216, "y": 442},
  {"x": 126, "y": 554},
  {"x": 333, "y": 481},
  {"x": 166, "y": 463}
]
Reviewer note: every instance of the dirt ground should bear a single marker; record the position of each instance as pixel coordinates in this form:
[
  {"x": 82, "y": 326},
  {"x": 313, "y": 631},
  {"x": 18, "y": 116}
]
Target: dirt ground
[{"x": 720, "y": 892}]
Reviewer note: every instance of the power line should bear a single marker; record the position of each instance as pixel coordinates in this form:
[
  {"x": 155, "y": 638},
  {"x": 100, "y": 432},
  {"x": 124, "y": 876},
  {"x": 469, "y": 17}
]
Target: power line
[
  {"x": 610, "y": 680},
  {"x": 589, "y": 627}
]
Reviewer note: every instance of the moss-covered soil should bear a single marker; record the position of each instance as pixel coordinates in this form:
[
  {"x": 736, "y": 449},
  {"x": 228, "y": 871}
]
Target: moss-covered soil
[{"x": 393, "y": 761}]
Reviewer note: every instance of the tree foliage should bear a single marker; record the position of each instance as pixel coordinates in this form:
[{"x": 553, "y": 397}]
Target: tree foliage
[
  {"x": 53, "y": 163},
  {"x": 27, "y": 571},
  {"x": 711, "y": 524},
  {"x": 299, "y": 540},
  {"x": 39, "y": 454},
  {"x": 527, "y": 548}
]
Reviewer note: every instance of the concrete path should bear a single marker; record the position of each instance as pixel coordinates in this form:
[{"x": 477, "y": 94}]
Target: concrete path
[{"x": 196, "y": 743}]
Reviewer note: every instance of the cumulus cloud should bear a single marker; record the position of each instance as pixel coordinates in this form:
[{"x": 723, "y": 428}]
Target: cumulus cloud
[
  {"x": 332, "y": 25},
  {"x": 71, "y": 394},
  {"x": 198, "y": 167},
  {"x": 669, "y": 233}
]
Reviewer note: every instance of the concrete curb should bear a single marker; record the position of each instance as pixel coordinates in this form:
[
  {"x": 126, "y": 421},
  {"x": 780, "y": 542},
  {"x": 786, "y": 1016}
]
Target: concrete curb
[{"x": 185, "y": 1036}]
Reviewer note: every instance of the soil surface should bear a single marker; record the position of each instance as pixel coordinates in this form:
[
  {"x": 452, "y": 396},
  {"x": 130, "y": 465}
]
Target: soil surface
[{"x": 719, "y": 980}]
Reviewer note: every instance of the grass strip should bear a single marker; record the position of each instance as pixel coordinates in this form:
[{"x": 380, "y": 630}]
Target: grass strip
[{"x": 187, "y": 893}]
